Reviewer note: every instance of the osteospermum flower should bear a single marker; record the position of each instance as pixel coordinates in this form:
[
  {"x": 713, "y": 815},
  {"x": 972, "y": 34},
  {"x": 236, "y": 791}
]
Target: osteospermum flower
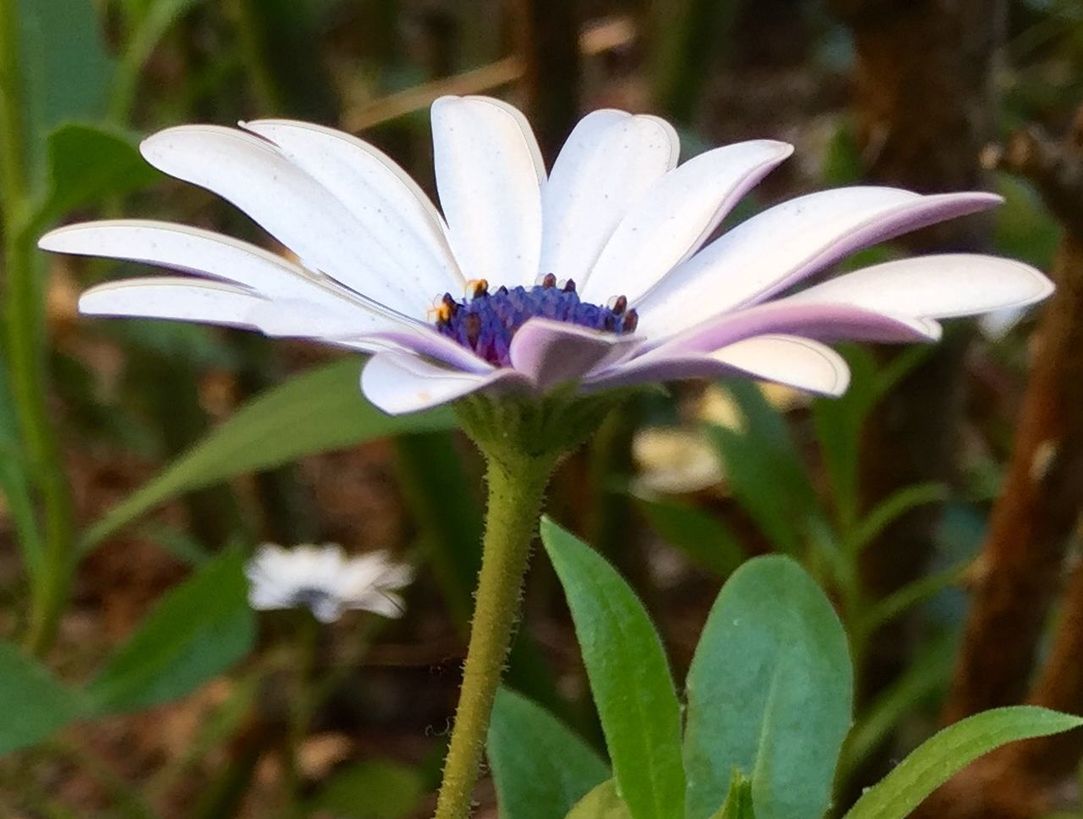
[
  {"x": 595, "y": 274},
  {"x": 326, "y": 581}
]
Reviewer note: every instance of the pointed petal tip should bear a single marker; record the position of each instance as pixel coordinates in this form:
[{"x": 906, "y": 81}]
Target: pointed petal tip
[
  {"x": 53, "y": 240},
  {"x": 842, "y": 383},
  {"x": 782, "y": 150}
]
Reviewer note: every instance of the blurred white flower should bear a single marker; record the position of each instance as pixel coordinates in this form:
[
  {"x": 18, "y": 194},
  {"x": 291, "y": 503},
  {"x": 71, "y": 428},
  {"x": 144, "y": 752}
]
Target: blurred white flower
[
  {"x": 326, "y": 581},
  {"x": 674, "y": 461}
]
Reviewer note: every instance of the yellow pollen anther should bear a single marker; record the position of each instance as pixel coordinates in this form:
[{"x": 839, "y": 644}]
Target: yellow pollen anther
[
  {"x": 439, "y": 313},
  {"x": 477, "y": 287}
]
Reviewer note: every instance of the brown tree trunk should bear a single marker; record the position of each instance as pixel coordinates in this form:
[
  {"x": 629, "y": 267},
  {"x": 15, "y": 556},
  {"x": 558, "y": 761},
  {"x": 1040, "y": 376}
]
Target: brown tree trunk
[
  {"x": 1019, "y": 572},
  {"x": 1024, "y": 558}
]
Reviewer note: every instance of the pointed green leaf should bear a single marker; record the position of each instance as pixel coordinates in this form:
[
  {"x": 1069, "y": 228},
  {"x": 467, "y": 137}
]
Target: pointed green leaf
[
  {"x": 769, "y": 694},
  {"x": 952, "y": 749},
  {"x": 629, "y": 677},
  {"x": 318, "y": 411},
  {"x": 893, "y": 507},
  {"x": 195, "y": 632},
  {"x": 88, "y": 163},
  {"x": 601, "y": 803},
  {"x": 36, "y": 704},
  {"x": 541, "y": 769}
]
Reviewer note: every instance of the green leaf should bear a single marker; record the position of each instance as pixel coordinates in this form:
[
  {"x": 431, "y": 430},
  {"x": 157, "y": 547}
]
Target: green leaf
[
  {"x": 838, "y": 423},
  {"x": 700, "y": 535},
  {"x": 318, "y": 411},
  {"x": 842, "y": 162},
  {"x": 763, "y": 469},
  {"x": 927, "y": 674},
  {"x": 65, "y": 69},
  {"x": 893, "y": 507},
  {"x": 601, "y": 803},
  {"x": 1025, "y": 229},
  {"x": 88, "y": 163},
  {"x": 949, "y": 751},
  {"x": 920, "y": 590},
  {"x": 195, "y": 632},
  {"x": 374, "y": 789},
  {"x": 738, "y": 804},
  {"x": 541, "y": 769},
  {"x": 629, "y": 677},
  {"x": 36, "y": 704},
  {"x": 15, "y": 483},
  {"x": 769, "y": 694},
  {"x": 153, "y": 24},
  {"x": 443, "y": 502}
]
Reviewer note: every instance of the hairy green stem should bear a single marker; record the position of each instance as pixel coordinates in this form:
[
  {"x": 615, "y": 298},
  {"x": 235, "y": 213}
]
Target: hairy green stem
[
  {"x": 516, "y": 489},
  {"x": 25, "y": 343}
]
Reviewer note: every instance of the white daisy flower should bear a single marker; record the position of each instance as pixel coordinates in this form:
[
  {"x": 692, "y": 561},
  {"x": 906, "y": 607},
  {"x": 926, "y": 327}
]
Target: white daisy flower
[
  {"x": 326, "y": 581},
  {"x": 595, "y": 273}
]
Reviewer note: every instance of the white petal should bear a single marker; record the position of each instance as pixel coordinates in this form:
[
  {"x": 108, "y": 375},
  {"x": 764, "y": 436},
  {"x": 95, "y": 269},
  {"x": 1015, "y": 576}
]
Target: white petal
[
  {"x": 489, "y": 175},
  {"x": 399, "y": 383},
  {"x": 211, "y": 254},
  {"x": 676, "y": 215},
  {"x": 173, "y": 298},
  {"x": 958, "y": 284},
  {"x": 296, "y": 318},
  {"x": 611, "y": 159},
  {"x": 773, "y": 249},
  {"x": 379, "y": 194},
  {"x": 249, "y": 172},
  {"x": 791, "y": 360}
]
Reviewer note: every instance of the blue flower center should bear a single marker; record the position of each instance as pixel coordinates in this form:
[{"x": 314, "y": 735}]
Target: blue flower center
[{"x": 487, "y": 321}]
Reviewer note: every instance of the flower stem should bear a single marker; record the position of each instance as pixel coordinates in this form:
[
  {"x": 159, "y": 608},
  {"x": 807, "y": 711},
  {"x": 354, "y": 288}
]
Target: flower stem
[{"x": 516, "y": 488}]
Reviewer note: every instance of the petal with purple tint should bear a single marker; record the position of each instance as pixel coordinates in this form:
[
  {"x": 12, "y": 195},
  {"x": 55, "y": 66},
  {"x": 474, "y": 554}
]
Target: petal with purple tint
[
  {"x": 775, "y": 249},
  {"x": 944, "y": 286},
  {"x": 489, "y": 175},
  {"x": 379, "y": 194},
  {"x": 676, "y": 215},
  {"x": 550, "y": 353},
  {"x": 825, "y": 322},
  {"x": 287, "y": 202},
  {"x": 211, "y": 254},
  {"x": 428, "y": 343},
  {"x": 791, "y": 360},
  {"x": 610, "y": 160},
  {"x": 398, "y": 383}
]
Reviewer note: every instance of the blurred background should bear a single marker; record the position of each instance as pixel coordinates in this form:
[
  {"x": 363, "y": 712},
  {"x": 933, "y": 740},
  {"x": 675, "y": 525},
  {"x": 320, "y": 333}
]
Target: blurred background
[{"x": 937, "y": 502}]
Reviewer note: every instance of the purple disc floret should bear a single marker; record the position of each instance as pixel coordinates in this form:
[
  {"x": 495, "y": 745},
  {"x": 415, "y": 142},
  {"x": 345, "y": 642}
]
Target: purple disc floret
[{"x": 486, "y": 322}]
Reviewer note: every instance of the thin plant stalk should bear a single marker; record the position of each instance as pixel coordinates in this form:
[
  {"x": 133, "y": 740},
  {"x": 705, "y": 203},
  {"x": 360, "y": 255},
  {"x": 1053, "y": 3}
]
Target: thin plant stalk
[
  {"x": 26, "y": 357},
  {"x": 516, "y": 488}
]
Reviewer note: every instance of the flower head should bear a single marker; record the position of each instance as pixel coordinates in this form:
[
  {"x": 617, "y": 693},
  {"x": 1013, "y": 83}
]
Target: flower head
[
  {"x": 326, "y": 581},
  {"x": 597, "y": 274}
]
